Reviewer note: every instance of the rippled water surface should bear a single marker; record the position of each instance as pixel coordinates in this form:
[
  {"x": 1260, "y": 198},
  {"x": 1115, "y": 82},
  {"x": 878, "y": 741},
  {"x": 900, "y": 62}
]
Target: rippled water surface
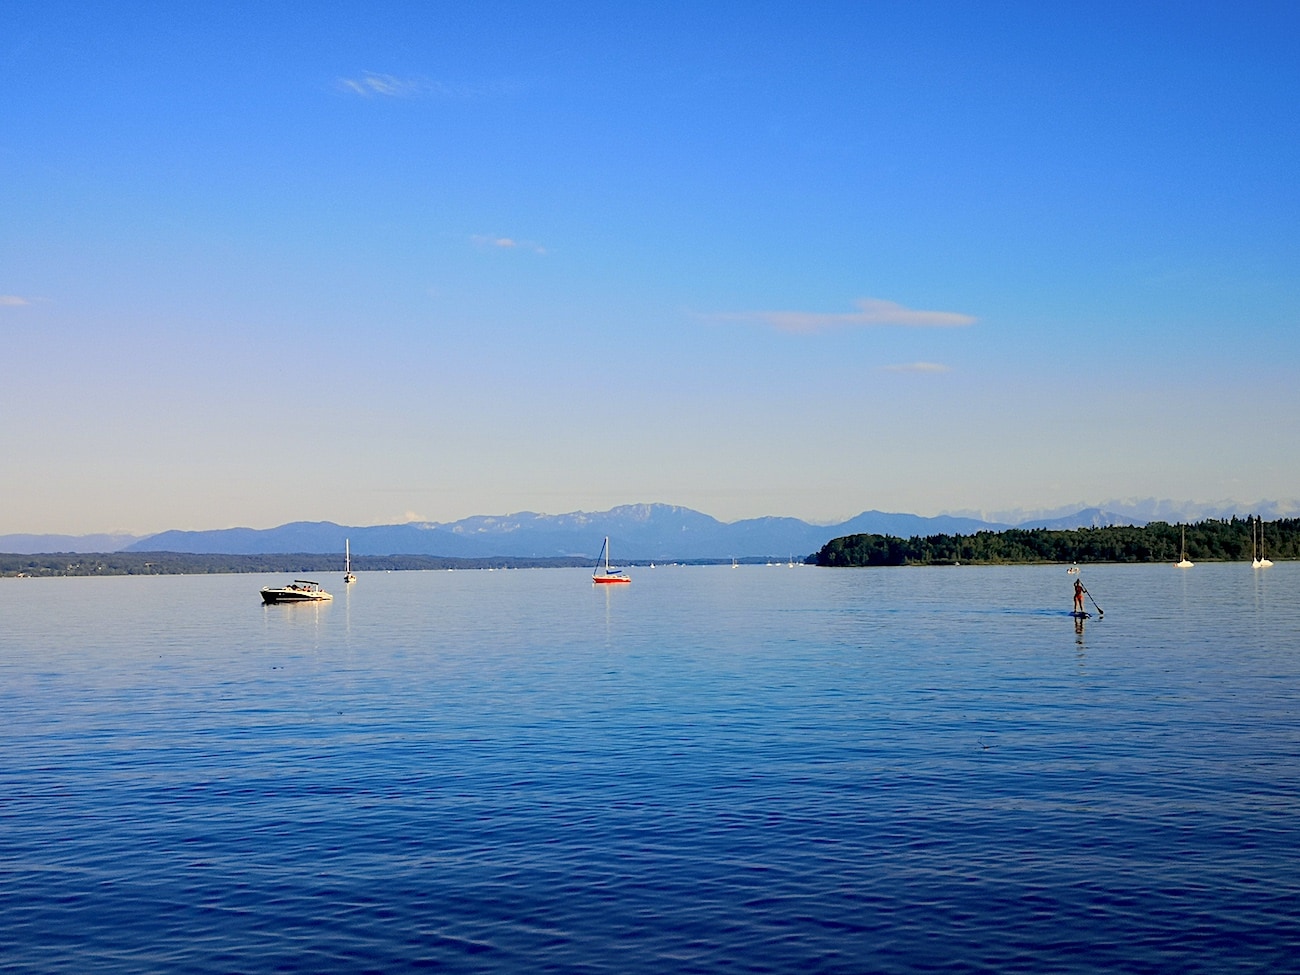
[{"x": 710, "y": 770}]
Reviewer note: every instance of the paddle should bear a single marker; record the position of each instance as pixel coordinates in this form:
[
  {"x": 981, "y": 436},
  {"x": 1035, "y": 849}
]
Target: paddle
[{"x": 1100, "y": 612}]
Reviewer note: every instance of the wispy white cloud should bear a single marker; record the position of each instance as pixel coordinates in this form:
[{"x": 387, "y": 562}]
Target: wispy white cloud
[
  {"x": 372, "y": 84},
  {"x": 872, "y": 312},
  {"x": 506, "y": 243},
  {"x": 918, "y": 367},
  {"x": 14, "y": 301}
]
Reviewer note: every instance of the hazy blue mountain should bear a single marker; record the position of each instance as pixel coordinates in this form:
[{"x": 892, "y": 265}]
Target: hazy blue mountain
[
  {"x": 314, "y": 537},
  {"x": 1087, "y": 518},
  {"x": 908, "y": 526},
  {"x": 1137, "y": 511},
  {"x": 34, "y": 544},
  {"x": 641, "y": 531}
]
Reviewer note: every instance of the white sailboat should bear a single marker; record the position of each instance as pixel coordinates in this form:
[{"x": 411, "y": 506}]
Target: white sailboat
[
  {"x": 347, "y": 562},
  {"x": 607, "y": 575},
  {"x": 1183, "y": 563},
  {"x": 1260, "y": 560}
]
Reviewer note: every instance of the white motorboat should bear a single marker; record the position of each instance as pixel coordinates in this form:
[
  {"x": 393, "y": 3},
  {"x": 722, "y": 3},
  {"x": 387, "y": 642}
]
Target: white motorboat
[{"x": 299, "y": 591}]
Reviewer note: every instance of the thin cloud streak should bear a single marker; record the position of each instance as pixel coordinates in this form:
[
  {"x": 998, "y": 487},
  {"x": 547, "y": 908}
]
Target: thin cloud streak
[
  {"x": 372, "y": 84},
  {"x": 14, "y": 301},
  {"x": 871, "y": 313}
]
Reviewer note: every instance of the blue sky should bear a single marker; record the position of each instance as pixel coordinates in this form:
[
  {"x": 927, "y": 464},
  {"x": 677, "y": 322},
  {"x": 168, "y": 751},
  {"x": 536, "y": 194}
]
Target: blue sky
[{"x": 372, "y": 262}]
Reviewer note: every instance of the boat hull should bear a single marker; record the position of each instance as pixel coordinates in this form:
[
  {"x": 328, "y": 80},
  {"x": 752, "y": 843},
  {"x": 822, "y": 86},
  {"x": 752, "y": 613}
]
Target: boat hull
[{"x": 280, "y": 596}]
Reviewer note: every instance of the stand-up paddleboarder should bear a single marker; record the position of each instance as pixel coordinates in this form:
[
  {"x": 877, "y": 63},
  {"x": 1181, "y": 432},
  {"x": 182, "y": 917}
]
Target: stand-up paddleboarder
[{"x": 1078, "y": 596}]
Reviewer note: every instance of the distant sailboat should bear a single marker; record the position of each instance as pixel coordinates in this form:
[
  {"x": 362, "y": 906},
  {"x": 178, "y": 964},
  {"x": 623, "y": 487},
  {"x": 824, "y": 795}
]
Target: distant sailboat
[
  {"x": 347, "y": 562},
  {"x": 1260, "y": 560},
  {"x": 606, "y": 574},
  {"x": 1183, "y": 563}
]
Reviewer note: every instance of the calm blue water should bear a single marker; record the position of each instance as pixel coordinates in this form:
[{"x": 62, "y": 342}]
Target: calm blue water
[{"x": 711, "y": 770}]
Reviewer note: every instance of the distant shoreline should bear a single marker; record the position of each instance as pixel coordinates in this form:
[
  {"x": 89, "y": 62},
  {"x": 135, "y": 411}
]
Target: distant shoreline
[{"x": 80, "y": 564}]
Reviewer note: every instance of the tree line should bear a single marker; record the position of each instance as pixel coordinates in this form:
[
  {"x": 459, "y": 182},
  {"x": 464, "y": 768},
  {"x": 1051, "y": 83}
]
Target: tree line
[
  {"x": 182, "y": 563},
  {"x": 1207, "y": 541}
]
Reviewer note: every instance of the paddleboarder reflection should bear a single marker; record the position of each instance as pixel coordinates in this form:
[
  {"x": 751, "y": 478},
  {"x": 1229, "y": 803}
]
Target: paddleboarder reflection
[{"x": 1078, "y": 596}]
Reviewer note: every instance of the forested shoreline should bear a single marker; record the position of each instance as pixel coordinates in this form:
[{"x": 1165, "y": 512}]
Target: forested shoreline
[
  {"x": 306, "y": 565},
  {"x": 1207, "y": 541},
  {"x": 180, "y": 563}
]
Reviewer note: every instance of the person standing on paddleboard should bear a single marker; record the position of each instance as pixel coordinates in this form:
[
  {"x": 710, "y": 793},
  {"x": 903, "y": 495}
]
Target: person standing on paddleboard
[{"x": 1078, "y": 596}]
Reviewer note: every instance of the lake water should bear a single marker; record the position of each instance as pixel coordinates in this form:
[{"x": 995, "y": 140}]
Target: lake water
[{"x": 760, "y": 769}]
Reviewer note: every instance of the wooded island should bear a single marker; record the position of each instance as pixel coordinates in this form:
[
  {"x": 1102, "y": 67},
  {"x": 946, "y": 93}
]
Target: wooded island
[{"x": 1158, "y": 541}]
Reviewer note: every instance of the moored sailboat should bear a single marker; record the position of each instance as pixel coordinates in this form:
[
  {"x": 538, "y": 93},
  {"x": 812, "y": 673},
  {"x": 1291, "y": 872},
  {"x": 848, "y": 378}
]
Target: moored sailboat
[
  {"x": 347, "y": 562},
  {"x": 1259, "y": 559},
  {"x": 1183, "y": 563},
  {"x": 606, "y": 574}
]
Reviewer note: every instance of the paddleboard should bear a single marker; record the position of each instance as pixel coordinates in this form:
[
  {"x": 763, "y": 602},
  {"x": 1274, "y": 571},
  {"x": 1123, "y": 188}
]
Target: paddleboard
[{"x": 1082, "y": 616}]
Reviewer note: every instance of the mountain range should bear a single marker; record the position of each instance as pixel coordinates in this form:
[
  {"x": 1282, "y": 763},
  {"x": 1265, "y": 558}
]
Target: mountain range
[{"x": 637, "y": 532}]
